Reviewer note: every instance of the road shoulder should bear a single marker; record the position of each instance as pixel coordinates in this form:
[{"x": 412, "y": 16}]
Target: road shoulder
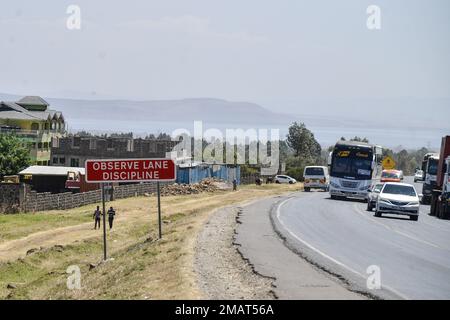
[
  {"x": 222, "y": 272},
  {"x": 294, "y": 277}
]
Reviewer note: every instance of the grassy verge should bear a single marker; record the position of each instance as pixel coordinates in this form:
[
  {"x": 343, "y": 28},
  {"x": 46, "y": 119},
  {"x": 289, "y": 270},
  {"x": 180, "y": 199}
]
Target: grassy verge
[
  {"x": 15, "y": 226},
  {"x": 143, "y": 267}
]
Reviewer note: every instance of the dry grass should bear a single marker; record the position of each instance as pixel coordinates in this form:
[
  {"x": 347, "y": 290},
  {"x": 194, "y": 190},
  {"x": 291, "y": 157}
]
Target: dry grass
[{"x": 143, "y": 267}]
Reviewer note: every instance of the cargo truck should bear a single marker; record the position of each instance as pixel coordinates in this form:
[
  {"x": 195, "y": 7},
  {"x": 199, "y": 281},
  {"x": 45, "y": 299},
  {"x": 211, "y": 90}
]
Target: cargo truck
[
  {"x": 440, "y": 197},
  {"x": 429, "y": 166},
  {"x": 76, "y": 182}
]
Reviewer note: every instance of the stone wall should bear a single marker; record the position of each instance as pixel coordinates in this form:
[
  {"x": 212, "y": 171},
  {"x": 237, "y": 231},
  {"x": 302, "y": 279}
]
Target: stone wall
[
  {"x": 134, "y": 190},
  {"x": 51, "y": 201},
  {"x": 11, "y": 199},
  {"x": 10, "y": 194}
]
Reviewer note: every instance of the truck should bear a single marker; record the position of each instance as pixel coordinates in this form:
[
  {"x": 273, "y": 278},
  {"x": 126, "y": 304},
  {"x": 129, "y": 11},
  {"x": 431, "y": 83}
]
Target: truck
[
  {"x": 354, "y": 168},
  {"x": 429, "y": 168},
  {"x": 76, "y": 182},
  {"x": 440, "y": 196}
]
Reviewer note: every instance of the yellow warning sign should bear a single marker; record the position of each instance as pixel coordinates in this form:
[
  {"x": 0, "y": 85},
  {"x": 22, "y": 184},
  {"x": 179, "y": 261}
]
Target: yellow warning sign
[{"x": 388, "y": 163}]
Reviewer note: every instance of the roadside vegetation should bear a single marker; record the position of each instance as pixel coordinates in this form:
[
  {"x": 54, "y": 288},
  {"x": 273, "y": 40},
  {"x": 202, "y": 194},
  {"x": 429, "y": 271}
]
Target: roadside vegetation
[
  {"x": 34, "y": 262},
  {"x": 408, "y": 160},
  {"x": 14, "y": 155}
]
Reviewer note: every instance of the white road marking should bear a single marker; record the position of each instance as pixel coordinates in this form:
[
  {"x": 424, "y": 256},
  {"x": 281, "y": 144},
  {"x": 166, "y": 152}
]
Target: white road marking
[{"x": 323, "y": 254}]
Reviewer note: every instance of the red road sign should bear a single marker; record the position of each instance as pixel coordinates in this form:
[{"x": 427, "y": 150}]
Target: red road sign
[{"x": 130, "y": 170}]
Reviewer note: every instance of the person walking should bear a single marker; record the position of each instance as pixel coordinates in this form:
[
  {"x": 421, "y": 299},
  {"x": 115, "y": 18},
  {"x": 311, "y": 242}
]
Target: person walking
[
  {"x": 97, "y": 215},
  {"x": 111, "y": 214}
]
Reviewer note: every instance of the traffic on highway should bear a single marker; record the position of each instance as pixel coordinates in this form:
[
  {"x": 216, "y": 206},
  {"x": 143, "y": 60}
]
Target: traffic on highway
[
  {"x": 216, "y": 158},
  {"x": 380, "y": 235}
]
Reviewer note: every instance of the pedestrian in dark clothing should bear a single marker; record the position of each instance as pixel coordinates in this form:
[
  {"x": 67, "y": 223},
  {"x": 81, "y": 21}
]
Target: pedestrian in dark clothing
[
  {"x": 111, "y": 214},
  {"x": 234, "y": 184},
  {"x": 97, "y": 215}
]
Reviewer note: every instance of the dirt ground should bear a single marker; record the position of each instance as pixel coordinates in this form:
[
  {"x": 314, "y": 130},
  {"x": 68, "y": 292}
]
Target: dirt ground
[
  {"x": 35, "y": 255},
  {"x": 222, "y": 272}
]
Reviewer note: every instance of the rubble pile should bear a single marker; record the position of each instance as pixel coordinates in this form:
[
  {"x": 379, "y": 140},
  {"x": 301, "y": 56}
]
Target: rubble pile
[{"x": 206, "y": 185}]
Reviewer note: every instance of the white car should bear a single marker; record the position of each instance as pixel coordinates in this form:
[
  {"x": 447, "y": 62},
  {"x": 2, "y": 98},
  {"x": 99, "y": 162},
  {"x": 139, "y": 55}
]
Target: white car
[
  {"x": 284, "y": 179},
  {"x": 398, "y": 198},
  {"x": 372, "y": 196},
  {"x": 316, "y": 177},
  {"x": 418, "y": 176}
]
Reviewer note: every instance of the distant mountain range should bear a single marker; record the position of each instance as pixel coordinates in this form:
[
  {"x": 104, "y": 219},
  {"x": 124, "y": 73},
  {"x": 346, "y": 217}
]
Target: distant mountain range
[
  {"x": 396, "y": 123},
  {"x": 205, "y": 109}
]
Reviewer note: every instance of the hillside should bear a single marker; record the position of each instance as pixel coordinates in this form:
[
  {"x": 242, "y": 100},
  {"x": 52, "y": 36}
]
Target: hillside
[{"x": 205, "y": 109}]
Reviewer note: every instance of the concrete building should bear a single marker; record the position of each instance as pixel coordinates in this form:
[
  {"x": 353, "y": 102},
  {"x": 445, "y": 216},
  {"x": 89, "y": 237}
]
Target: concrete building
[
  {"x": 73, "y": 151},
  {"x": 35, "y": 123}
]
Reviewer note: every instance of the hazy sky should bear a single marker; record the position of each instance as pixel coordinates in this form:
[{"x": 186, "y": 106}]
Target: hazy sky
[{"x": 252, "y": 50}]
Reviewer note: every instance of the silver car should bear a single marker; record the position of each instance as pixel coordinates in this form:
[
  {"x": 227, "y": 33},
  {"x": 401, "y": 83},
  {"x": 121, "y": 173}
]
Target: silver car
[
  {"x": 418, "y": 176},
  {"x": 398, "y": 198},
  {"x": 284, "y": 179},
  {"x": 372, "y": 196}
]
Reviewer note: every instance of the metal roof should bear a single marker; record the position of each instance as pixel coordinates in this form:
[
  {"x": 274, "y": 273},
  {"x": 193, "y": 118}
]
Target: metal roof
[
  {"x": 50, "y": 170},
  {"x": 11, "y": 110},
  {"x": 14, "y": 106},
  {"x": 43, "y": 115},
  {"x": 17, "y": 115},
  {"x": 33, "y": 101}
]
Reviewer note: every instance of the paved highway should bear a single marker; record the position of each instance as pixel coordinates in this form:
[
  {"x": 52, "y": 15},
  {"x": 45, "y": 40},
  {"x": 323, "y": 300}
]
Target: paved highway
[{"x": 413, "y": 257}]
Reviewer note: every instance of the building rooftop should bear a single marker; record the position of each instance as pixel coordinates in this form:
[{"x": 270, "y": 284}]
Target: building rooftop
[
  {"x": 29, "y": 108},
  {"x": 50, "y": 170},
  {"x": 33, "y": 101},
  {"x": 11, "y": 114}
]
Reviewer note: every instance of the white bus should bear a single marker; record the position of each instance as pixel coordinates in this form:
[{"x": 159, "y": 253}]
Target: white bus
[{"x": 354, "y": 168}]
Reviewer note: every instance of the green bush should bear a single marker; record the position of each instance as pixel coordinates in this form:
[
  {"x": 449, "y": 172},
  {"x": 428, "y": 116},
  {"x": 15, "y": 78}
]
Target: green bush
[{"x": 14, "y": 157}]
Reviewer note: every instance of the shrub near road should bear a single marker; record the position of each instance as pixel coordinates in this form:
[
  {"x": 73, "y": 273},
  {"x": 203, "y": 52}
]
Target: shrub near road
[{"x": 143, "y": 268}]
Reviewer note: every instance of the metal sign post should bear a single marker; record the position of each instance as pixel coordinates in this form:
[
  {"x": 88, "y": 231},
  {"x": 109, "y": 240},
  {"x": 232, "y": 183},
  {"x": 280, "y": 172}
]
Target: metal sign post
[
  {"x": 129, "y": 170},
  {"x": 159, "y": 209},
  {"x": 104, "y": 221}
]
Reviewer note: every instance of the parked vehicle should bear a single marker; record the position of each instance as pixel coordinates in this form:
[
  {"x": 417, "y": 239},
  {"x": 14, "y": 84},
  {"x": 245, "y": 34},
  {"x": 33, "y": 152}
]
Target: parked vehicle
[
  {"x": 391, "y": 176},
  {"x": 429, "y": 166},
  {"x": 398, "y": 198},
  {"x": 418, "y": 176},
  {"x": 284, "y": 179},
  {"x": 440, "y": 197},
  {"x": 372, "y": 197},
  {"x": 11, "y": 179},
  {"x": 316, "y": 177},
  {"x": 76, "y": 182},
  {"x": 354, "y": 168}
]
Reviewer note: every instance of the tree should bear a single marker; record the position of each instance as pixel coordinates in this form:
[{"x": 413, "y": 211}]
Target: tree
[
  {"x": 307, "y": 151},
  {"x": 83, "y": 133},
  {"x": 359, "y": 139},
  {"x": 405, "y": 160},
  {"x": 14, "y": 157},
  {"x": 302, "y": 141},
  {"x": 121, "y": 135}
]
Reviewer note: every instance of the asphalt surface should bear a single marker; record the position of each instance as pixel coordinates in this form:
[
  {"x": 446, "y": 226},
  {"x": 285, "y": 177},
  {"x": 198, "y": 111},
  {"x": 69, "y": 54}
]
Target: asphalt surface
[
  {"x": 413, "y": 257},
  {"x": 292, "y": 277}
]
